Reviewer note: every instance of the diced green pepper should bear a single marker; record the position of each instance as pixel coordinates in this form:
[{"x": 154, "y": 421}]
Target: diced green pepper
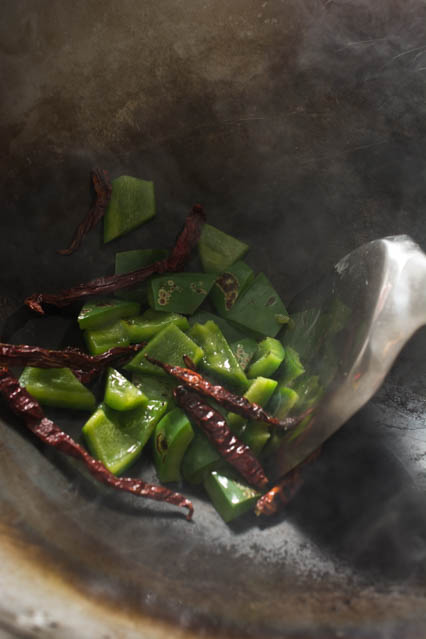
[
  {"x": 256, "y": 435},
  {"x": 282, "y": 402},
  {"x": 102, "y": 339},
  {"x": 103, "y": 312},
  {"x": 229, "y": 496},
  {"x": 179, "y": 292},
  {"x": 244, "y": 350},
  {"x": 172, "y": 436},
  {"x": 57, "y": 387},
  {"x": 201, "y": 457},
  {"x": 230, "y": 332},
  {"x": 309, "y": 389},
  {"x": 218, "y": 250},
  {"x": 117, "y": 438},
  {"x": 132, "y": 203},
  {"x": 259, "y": 391},
  {"x": 268, "y": 357},
  {"x": 169, "y": 346},
  {"x": 128, "y": 261},
  {"x": 291, "y": 367},
  {"x": 120, "y": 394},
  {"x": 218, "y": 358},
  {"x": 229, "y": 285},
  {"x": 151, "y": 322},
  {"x": 259, "y": 308},
  {"x": 154, "y": 387}
]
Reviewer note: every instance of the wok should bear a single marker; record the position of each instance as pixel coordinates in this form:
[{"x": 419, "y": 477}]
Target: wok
[{"x": 299, "y": 125}]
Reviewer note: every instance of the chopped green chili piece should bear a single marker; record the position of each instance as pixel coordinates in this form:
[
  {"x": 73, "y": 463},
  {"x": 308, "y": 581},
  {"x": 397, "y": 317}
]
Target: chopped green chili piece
[
  {"x": 117, "y": 438},
  {"x": 56, "y": 387},
  {"x": 268, "y": 357},
  {"x": 120, "y": 394},
  {"x": 256, "y": 435},
  {"x": 230, "y": 332},
  {"x": 102, "y": 339},
  {"x": 100, "y": 313},
  {"x": 259, "y": 308},
  {"x": 229, "y": 285},
  {"x": 229, "y": 495},
  {"x": 244, "y": 350},
  {"x": 169, "y": 346},
  {"x": 291, "y": 367},
  {"x": 132, "y": 203},
  {"x": 218, "y": 360},
  {"x": 128, "y": 261},
  {"x": 172, "y": 436},
  {"x": 218, "y": 250},
  {"x": 156, "y": 387},
  {"x": 145, "y": 326},
  {"x": 179, "y": 292}
]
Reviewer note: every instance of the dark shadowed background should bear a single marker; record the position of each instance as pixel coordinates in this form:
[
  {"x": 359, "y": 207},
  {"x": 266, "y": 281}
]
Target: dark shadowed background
[{"x": 300, "y": 125}]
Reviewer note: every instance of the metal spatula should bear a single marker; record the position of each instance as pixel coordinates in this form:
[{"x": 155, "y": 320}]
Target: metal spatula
[{"x": 377, "y": 294}]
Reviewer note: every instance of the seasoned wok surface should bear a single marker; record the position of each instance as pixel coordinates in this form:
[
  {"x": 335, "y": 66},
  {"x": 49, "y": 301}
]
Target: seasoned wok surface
[{"x": 299, "y": 125}]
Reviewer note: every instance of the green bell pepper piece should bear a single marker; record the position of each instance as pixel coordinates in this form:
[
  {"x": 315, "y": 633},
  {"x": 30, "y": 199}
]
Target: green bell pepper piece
[
  {"x": 132, "y": 203},
  {"x": 57, "y": 387},
  {"x": 179, "y": 292},
  {"x": 120, "y": 394},
  {"x": 117, "y": 438},
  {"x": 229, "y": 285},
  {"x": 309, "y": 389},
  {"x": 172, "y": 436},
  {"x": 218, "y": 360},
  {"x": 200, "y": 458},
  {"x": 259, "y": 391},
  {"x": 291, "y": 367},
  {"x": 102, "y": 339},
  {"x": 230, "y": 332},
  {"x": 154, "y": 387},
  {"x": 281, "y": 404},
  {"x": 169, "y": 346},
  {"x": 268, "y": 358},
  {"x": 151, "y": 322},
  {"x": 256, "y": 435},
  {"x": 218, "y": 250},
  {"x": 103, "y": 312},
  {"x": 244, "y": 350},
  {"x": 128, "y": 261},
  {"x": 229, "y": 495},
  {"x": 259, "y": 309}
]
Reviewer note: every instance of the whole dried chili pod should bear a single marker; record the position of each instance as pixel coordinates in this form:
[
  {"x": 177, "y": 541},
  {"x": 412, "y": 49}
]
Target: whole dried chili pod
[
  {"x": 219, "y": 434},
  {"x": 283, "y": 492},
  {"x": 25, "y": 355},
  {"x": 180, "y": 253},
  {"x": 235, "y": 403},
  {"x": 26, "y": 407},
  {"x": 103, "y": 190}
]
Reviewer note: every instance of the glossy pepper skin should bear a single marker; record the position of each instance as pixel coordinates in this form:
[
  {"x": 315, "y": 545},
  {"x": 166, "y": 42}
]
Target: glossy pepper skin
[
  {"x": 57, "y": 387},
  {"x": 100, "y": 340},
  {"x": 219, "y": 360},
  {"x": 229, "y": 285},
  {"x": 218, "y": 250},
  {"x": 132, "y": 203},
  {"x": 100, "y": 313},
  {"x": 172, "y": 436},
  {"x": 120, "y": 394},
  {"x": 143, "y": 327},
  {"x": 229, "y": 495},
  {"x": 269, "y": 355},
  {"x": 179, "y": 292}
]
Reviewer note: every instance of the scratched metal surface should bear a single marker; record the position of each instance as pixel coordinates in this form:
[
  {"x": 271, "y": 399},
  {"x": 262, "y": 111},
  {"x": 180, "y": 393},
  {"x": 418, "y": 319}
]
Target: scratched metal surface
[{"x": 300, "y": 125}]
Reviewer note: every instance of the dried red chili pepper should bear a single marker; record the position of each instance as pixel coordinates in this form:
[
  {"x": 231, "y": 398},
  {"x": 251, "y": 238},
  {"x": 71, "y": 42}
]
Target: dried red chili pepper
[
  {"x": 180, "y": 253},
  {"x": 217, "y": 430},
  {"x": 25, "y": 406},
  {"x": 25, "y": 355},
  {"x": 235, "y": 403},
  {"x": 103, "y": 189},
  {"x": 281, "y": 494}
]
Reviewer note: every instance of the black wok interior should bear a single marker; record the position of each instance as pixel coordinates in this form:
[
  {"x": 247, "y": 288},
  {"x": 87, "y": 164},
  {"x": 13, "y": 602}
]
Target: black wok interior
[{"x": 300, "y": 126}]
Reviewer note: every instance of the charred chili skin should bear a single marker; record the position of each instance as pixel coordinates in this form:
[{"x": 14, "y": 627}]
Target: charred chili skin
[
  {"x": 103, "y": 190},
  {"x": 217, "y": 430},
  {"x": 235, "y": 403},
  {"x": 26, "y": 407},
  {"x": 74, "y": 358},
  {"x": 282, "y": 493},
  {"x": 179, "y": 255}
]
